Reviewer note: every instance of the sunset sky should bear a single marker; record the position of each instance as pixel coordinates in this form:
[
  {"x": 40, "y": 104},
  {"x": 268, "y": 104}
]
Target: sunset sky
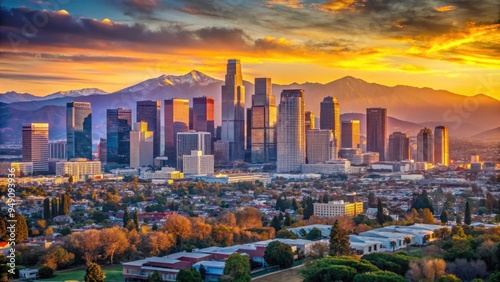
[{"x": 47, "y": 46}]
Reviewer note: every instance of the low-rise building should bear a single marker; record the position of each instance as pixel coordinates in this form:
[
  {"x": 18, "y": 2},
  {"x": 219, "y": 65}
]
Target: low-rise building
[
  {"x": 337, "y": 208},
  {"x": 80, "y": 168}
]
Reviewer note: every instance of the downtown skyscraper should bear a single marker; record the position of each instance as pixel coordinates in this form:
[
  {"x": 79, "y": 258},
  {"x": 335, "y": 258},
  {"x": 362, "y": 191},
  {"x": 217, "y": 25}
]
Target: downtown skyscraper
[
  {"x": 310, "y": 122},
  {"x": 330, "y": 119},
  {"x": 233, "y": 111},
  {"x": 176, "y": 120},
  {"x": 350, "y": 134},
  {"x": 399, "y": 147},
  {"x": 78, "y": 130},
  {"x": 150, "y": 112},
  {"x": 441, "y": 143},
  {"x": 192, "y": 141},
  {"x": 35, "y": 140},
  {"x": 425, "y": 146},
  {"x": 118, "y": 127},
  {"x": 376, "y": 131},
  {"x": 203, "y": 118},
  {"x": 263, "y": 122},
  {"x": 291, "y": 133}
]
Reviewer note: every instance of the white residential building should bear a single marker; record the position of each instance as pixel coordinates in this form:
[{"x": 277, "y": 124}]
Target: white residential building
[
  {"x": 198, "y": 164},
  {"x": 141, "y": 145},
  {"x": 336, "y": 208},
  {"x": 79, "y": 168}
]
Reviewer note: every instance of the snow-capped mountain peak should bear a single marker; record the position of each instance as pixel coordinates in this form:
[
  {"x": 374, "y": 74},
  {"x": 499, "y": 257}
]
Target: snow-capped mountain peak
[
  {"x": 192, "y": 78},
  {"x": 80, "y": 92}
]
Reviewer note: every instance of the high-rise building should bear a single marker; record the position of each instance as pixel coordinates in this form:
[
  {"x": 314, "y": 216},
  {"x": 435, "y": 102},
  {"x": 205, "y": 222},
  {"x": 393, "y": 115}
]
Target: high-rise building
[
  {"x": 141, "y": 145},
  {"x": 57, "y": 150},
  {"x": 176, "y": 120},
  {"x": 263, "y": 122},
  {"x": 102, "y": 150},
  {"x": 310, "y": 120},
  {"x": 291, "y": 139},
  {"x": 350, "y": 134},
  {"x": 118, "y": 126},
  {"x": 425, "y": 146},
  {"x": 36, "y": 145},
  {"x": 399, "y": 147},
  {"x": 248, "y": 133},
  {"x": 197, "y": 163},
  {"x": 330, "y": 118},
  {"x": 221, "y": 153},
  {"x": 441, "y": 151},
  {"x": 192, "y": 141},
  {"x": 79, "y": 130},
  {"x": 319, "y": 146},
  {"x": 376, "y": 131},
  {"x": 233, "y": 111},
  {"x": 203, "y": 115},
  {"x": 150, "y": 112}
]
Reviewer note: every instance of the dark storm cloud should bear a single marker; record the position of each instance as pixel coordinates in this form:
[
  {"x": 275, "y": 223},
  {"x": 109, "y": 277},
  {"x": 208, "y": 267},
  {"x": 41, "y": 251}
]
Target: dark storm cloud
[
  {"x": 66, "y": 31},
  {"x": 68, "y": 58}
]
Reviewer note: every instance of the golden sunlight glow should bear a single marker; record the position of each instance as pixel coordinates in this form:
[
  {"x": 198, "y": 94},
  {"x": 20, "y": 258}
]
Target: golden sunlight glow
[{"x": 444, "y": 8}]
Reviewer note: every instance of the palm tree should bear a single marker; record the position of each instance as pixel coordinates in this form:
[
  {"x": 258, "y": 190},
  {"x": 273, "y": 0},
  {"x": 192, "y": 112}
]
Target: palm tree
[
  {"x": 407, "y": 242},
  {"x": 393, "y": 246}
]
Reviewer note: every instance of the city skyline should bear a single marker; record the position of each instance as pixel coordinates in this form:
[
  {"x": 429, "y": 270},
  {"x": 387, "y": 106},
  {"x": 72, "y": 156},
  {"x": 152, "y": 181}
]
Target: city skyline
[{"x": 375, "y": 41}]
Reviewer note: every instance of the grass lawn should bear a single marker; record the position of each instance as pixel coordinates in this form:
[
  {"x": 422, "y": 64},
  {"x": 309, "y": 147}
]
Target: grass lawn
[
  {"x": 289, "y": 275},
  {"x": 113, "y": 273}
]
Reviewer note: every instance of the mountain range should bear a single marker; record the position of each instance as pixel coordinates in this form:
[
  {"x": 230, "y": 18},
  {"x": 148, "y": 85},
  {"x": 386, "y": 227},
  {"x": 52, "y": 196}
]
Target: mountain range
[{"x": 409, "y": 108}]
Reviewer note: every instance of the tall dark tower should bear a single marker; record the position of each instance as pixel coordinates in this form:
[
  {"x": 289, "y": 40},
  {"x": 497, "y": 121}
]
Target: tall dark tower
[
  {"x": 150, "y": 112},
  {"x": 78, "y": 130},
  {"x": 118, "y": 127},
  {"x": 203, "y": 116},
  {"x": 233, "y": 111},
  {"x": 330, "y": 118},
  {"x": 441, "y": 145},
  {"x": 376, "y": 131},
  {"x": 263, "y": 123},
  {"x": 176, "y": 120},
  {"x": 399, "y": 147},
  {"x": 425, "y": 146}
]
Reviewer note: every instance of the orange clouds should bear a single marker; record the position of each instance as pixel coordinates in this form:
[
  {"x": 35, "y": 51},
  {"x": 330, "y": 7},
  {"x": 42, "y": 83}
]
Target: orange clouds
[
  {"x": 444, "y": 8},
  {"x": 287, "y": 3},
  {"x": 336, "y": 5}
]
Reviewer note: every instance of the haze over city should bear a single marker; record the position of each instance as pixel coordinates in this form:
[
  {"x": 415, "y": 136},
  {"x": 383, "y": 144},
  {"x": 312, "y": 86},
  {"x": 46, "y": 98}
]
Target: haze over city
[{"x": 451, "y": 45}]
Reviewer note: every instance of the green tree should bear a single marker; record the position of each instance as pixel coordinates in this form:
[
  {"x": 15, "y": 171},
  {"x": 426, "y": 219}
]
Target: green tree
[
  {"x": 450, "y": 278},
  {"x": 64, "y": 204},
  {"x": 188, "y": 275},
  {"x": 467, "y": 214},
  {"x": 136, "y": 220},
  {"x": 381, "y": 216},
  {"x": 295, "y": 205},
  {"x": 339, "y": 241},
  {"x": 3, "y": 227},
  {"x": 329, "y": 272},
  {"x": 126, "y": 217},
  {"x": 444, "y": 217},
  {"x": 288, "y": 220},
  {"x": 203, "y": 272},
  {"x": 378, "y": 276},
  {"x": 237, "y": 268},
  {"x": 397, "y": 263},
  {"x": 21, "y": 228},
  {"x": 55, "y": 206},
  {"x": 45, "y": 272},
  {"x": 46, "y": 209},
  {"x": 458, "y": 219},
  {"x": 422, "y": 201},
  {"x": 276, "y": 223},
  {"x": 155, "y": 277},
  {"x": 314, "y": 234},
  {"x": 94, "y": 273},
  {"x": 280, "y": 254},
  {"x": 284, "y": 233}
]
